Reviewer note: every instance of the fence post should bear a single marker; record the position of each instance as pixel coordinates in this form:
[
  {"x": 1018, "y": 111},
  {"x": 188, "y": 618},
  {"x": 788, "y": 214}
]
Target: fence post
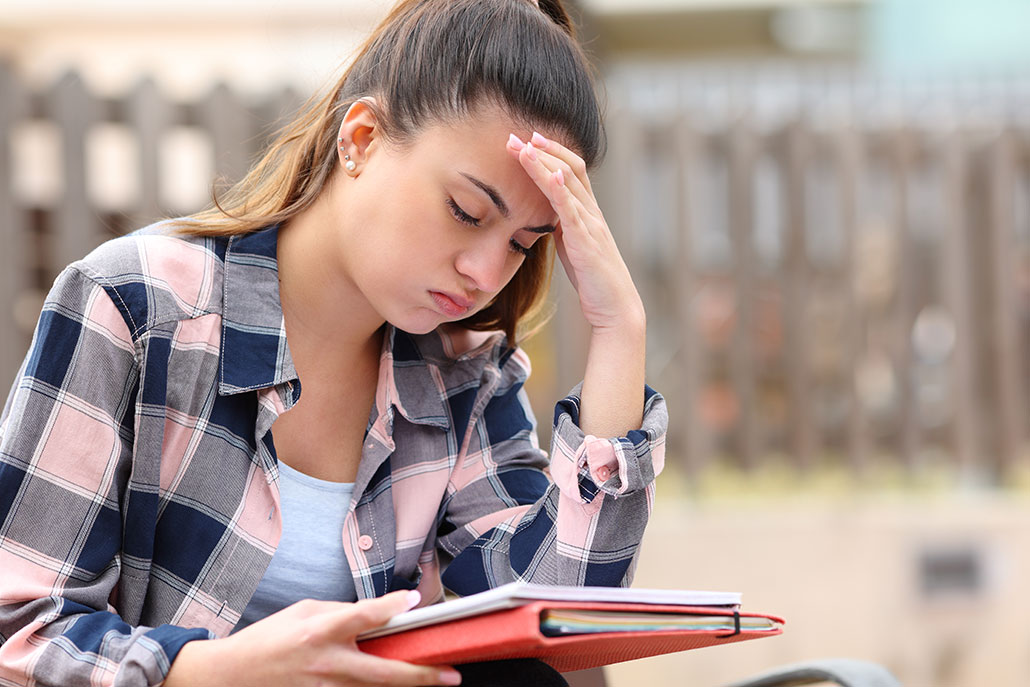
[
  {"x": 797, "y": 280},
  {"x": 692, "y": 431},
  {"x": 1010, "y": 367},
  {"x": 901, "y": 155},
  {"x": 232, "y": 132},
  {"x": 957, "y": 286},
  {"x": 850, "y": 174},
  {"x": 741, "y": 167},
  {"x": 14, "y": 233},
  {"x": 76, "y": 229},
  {"x": 148, "y": 115},
  {"x": 273, "y": 113}
]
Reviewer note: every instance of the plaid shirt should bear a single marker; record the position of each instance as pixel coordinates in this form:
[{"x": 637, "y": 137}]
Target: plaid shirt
[{"x": 139, "y": 502}]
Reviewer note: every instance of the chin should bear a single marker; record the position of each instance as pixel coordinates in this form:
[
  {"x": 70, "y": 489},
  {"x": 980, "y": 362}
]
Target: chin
[
  {"x": 417, "y": 325},
  {"x": 419, "y": 330}
]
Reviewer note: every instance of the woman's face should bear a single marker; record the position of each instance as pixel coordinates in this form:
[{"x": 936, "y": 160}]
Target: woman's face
[{"x": 437, "y": 228}]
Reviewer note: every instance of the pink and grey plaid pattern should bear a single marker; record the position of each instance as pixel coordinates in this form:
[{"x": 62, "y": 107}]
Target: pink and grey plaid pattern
[{"x": 139, "y": 485}]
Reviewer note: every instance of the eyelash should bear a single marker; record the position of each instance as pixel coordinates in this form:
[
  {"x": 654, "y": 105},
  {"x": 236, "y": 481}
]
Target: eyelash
[
  {"x": 461, "y": 215},
  {"x": 466, "y": 218}
]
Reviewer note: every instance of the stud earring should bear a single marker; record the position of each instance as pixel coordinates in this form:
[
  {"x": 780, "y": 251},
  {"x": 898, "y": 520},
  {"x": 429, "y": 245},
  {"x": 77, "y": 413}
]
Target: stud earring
[{"x": 348, "y": 163}]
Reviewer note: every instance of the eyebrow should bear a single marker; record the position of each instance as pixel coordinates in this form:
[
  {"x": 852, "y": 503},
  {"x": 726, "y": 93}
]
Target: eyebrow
[{"x": 502, "y": 207}]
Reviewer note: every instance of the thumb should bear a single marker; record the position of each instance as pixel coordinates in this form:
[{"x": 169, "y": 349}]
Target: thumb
[{"x": 369, "y": 614}]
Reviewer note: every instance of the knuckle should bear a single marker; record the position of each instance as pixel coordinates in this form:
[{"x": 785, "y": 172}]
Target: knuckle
[
  {"x": 379, "y": 674},
  {"x": 428, "y": 676},
  {"x": 366, "y": 614},
  {"x": 306, "y": 606},
  {"x": 312, "y": 634}
]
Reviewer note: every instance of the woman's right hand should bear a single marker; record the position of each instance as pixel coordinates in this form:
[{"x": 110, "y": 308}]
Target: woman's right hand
[{"x": 308, "y": 643}]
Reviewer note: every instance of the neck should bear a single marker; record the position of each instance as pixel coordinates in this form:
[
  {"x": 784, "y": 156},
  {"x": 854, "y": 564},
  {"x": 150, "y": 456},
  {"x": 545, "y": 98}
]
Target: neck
[{"x": 326, "y": 315}]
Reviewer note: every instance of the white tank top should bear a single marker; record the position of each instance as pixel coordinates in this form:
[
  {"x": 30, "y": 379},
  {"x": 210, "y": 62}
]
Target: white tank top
[{"x": 310, "y": 562}]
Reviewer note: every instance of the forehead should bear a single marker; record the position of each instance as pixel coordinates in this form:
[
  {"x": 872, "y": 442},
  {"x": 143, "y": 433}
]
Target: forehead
[
  {"x": 477, "y": 132},
  {"x": 476, "y": 145}
]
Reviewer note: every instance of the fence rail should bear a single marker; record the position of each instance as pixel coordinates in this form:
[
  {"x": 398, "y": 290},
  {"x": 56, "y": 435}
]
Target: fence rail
[{"x": 831, "y": 275}]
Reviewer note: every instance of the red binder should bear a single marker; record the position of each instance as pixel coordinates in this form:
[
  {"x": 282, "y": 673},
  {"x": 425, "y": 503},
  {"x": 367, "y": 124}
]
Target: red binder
[{"x": 516, "y": 633}]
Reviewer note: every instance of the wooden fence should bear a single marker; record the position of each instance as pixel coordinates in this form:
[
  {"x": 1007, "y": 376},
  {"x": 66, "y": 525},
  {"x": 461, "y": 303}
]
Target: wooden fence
[
  {"x": 837, "y": 268},
  {"x": 832, "y": 273},
  {"x": 76, "y": 169}
]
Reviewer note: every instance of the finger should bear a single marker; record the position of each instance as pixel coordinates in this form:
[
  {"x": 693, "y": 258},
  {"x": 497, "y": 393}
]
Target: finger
[
  {"x": 533, "y": 156},
  {"x": 570, "y": 231},
  {"x": 541, "y": 175},
  {"x": 581, "y": 196},
  {"x": 574, "y": 162},
  {"x": 559, "y": 245},
  {"x": 374, "y": 670},
  {"x": 311, "y": 609},
  {"x": 570, "y": 210},
  {"x": 369, "y": 614},
  {"x": 565, "y": 204},
  {"x": 572, "y": 182},
  {"x": 539, "y": 158},
  {"x": 581, "y": 221}
]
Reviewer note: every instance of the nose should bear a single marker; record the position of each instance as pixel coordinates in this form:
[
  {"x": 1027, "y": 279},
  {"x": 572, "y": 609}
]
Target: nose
[{"x": 484, "y": 263}]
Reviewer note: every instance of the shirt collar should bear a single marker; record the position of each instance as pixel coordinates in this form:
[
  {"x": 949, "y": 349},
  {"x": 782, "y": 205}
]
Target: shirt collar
[
  {"x": 408, "y": 383},
  {"x": 254, "y": 351},
  {"x": 255, "y": 354}
]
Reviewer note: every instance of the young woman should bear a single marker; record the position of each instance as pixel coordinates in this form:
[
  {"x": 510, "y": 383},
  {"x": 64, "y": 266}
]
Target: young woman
[{"x": 174, "y": 509}]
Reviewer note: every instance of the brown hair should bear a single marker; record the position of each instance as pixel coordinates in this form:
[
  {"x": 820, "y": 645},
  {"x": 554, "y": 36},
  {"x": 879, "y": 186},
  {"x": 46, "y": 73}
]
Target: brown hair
[{"x": 426, "y": 62}]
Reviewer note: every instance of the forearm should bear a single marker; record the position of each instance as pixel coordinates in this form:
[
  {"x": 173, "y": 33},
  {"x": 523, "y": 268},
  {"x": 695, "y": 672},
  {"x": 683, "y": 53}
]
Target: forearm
[
  {"x": 199, "y": 664},
  {"x": 612, "y": 401},
  {"x": 585, "y": 526}
]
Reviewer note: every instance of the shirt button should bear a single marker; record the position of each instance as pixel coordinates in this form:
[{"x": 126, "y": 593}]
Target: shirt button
[
  {"x": 604, "y": 473},
  {"x": 364, "y": 542}
]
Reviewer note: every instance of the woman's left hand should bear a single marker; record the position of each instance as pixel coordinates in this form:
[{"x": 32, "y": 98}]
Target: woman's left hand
[{"x": 583, "y": 240}]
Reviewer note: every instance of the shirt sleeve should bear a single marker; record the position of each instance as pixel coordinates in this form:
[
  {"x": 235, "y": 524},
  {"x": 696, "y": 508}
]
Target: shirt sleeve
[
  {"x": 582, "y": 525},
  {"x": 66, "y": 444}
]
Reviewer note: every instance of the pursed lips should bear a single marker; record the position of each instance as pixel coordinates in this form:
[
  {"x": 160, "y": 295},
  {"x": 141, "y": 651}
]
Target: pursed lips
[{"x": 451, "y": 303}]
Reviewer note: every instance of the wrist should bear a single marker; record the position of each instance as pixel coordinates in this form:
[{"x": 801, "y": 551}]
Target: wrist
[
  {"x": 624, "y": 337},
  {"x": 197, "y": 664},
  {"x": 611, "y": 402},
  {"x": 631, "y": 320}
]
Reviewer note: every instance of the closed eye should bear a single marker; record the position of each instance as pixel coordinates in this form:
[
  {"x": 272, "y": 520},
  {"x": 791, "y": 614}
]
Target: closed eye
[
  {"x": 517, "y": 247},
  {"x": 466, "y": 218},
  {"x": 461, "y": 215}
]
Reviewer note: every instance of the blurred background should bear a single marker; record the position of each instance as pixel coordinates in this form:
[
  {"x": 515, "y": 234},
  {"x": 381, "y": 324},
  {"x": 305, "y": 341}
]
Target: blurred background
[{"x": 826, "y": 206}]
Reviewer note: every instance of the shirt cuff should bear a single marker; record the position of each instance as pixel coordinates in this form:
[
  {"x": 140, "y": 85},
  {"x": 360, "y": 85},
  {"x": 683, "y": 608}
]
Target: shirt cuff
[
  {"x": 149, "y": 659},
  {"x": 585, "y": 465}
]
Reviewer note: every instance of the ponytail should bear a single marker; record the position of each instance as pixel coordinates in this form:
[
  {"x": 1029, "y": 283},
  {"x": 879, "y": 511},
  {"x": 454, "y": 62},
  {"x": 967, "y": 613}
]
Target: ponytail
[{"x": 432, "y": 61}]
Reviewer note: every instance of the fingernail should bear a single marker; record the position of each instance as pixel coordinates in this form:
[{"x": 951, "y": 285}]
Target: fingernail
[
  {"x": 530, "y": 151},
  {"x": 559, "y": 176},
  {"x": 413, "y": 598},
  {"x": 449, "y": 677},
  {"x": 538, "y": 140},
  {"x": 515, "y": 142}
]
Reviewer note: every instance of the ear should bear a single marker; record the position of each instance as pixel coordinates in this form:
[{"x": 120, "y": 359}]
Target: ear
[{"x": 358, "y": 132}]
